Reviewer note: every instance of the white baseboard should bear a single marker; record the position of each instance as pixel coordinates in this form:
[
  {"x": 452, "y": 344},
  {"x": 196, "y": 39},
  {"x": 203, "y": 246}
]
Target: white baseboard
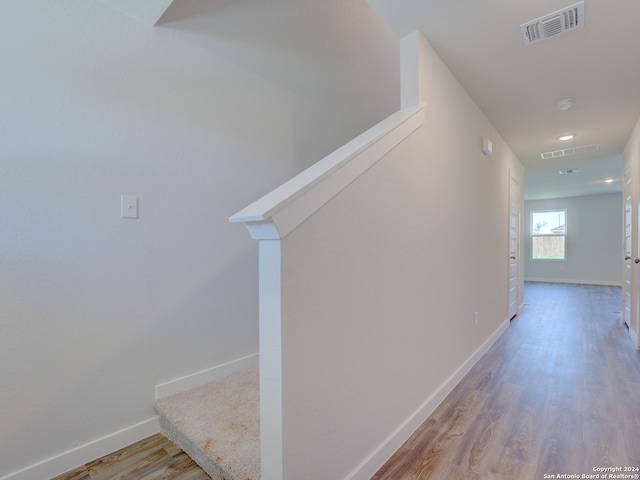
[
  {"x": 634, "y": 338},
  {"x": 205, "y": 376},
  {"x": 75, "y": 457},
  {"x": 370, "y": 465},
  {"x": 90, "y": 451},
  {"x": 605, "y": 283}
]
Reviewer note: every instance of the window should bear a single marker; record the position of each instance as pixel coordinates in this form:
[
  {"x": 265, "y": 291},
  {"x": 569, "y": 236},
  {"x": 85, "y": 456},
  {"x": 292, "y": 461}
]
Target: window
[{"x": 548, "y": 233}]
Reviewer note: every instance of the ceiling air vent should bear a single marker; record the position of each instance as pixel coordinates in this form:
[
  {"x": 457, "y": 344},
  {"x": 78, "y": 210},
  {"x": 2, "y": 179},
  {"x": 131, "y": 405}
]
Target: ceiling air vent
[
  {"x": 570, "y": 151},
  {"x": 553, "y": 24},
  {"x": 569, "y": 171}
]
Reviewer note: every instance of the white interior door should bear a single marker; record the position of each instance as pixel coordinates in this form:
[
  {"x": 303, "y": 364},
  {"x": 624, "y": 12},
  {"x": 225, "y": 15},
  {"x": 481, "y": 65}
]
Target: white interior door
[
  {"x": 627, "y": 249},
  {"x": 514, "y": 244}
]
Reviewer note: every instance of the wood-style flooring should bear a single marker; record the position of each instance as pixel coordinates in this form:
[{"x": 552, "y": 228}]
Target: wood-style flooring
[
  {"x": 153, "y": 458},
  {"x": 557, "y": 394}
]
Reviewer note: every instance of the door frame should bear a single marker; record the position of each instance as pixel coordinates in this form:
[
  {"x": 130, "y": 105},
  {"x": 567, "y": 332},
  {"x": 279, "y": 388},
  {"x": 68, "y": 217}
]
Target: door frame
[
  {"x": 514, "y": 263},
  {"x": 632, "y": 168},
  {"x": 627, "y": 247}
]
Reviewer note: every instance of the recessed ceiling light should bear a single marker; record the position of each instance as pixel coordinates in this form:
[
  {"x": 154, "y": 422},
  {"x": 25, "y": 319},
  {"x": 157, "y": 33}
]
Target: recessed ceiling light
[
  {"x": 565, "y": 104},
  {"x": 567, "y": 137},
  {"x": 609, "y": 180}
]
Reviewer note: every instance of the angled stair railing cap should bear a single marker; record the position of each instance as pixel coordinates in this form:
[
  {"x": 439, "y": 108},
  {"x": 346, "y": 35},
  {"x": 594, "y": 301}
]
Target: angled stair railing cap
[{"x": 279, "y": 212}]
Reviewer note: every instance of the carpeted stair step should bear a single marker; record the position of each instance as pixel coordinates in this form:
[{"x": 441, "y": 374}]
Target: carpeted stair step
[{"x": 218, "y": 425}]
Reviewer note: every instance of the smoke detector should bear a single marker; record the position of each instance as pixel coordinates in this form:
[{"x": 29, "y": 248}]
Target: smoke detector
[
  {"x": 553, "y": 24},
  {"x": 565, "y": 104}
]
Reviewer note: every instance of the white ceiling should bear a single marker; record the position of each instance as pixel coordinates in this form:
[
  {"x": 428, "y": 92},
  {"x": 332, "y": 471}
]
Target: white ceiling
[
  {"x": 516, "y": 86},
  {"x": 147, "y": 11}
]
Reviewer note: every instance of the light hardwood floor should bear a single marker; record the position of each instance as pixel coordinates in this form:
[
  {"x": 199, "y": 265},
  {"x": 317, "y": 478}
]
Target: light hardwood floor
[
  {"x": 153, "y": 458},
  {"x": 559, "y": 393}
]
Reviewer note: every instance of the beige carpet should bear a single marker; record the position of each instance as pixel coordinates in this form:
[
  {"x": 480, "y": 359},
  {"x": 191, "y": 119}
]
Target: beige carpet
[{"x": 218, "y": 425}]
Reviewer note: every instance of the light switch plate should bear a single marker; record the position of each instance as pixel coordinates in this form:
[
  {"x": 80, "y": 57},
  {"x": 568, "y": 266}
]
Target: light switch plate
[{"x": 129, "y": 206}]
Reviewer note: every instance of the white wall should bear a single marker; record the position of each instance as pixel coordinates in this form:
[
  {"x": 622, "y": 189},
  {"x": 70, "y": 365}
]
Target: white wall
[
  {"x": 96, "y": 310},
  {"x": 380, "y": 286},
  {"x": 593, "y": 242}
]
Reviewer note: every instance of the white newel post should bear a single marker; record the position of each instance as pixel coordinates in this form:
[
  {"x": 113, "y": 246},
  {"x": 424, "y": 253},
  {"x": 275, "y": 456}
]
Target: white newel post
[{"x": 270, "y": 359}]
